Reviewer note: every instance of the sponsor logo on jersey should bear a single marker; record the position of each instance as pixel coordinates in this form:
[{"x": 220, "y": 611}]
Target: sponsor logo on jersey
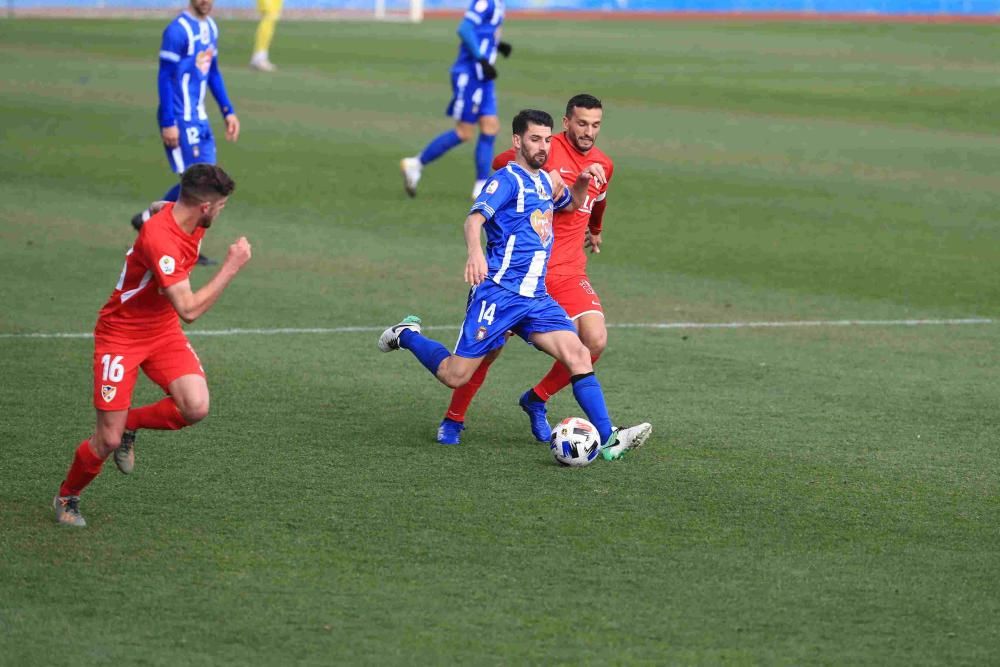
[
  {"x": 108, "y": 392},
  {"x": 492, "y": 186},
  {"x": 564, "y": 170},
  {"x": 203, "y": 61},
  {"x": 167, "y": 265},
  {"x": 541, "y": 222}
]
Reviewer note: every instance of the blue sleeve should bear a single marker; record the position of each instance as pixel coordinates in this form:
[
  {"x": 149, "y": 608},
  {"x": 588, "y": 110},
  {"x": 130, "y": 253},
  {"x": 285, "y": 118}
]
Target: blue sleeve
[
  {"x": 497, "y": 192},
  {"x": 172, "y": 49},
  {"x": 218, "y": 88},
  {"x": 565, "y": 200},
  {"x": 467, "y": 33},
  {"x": 165, "y": 86},
  {"x": 174, "y": 45}
]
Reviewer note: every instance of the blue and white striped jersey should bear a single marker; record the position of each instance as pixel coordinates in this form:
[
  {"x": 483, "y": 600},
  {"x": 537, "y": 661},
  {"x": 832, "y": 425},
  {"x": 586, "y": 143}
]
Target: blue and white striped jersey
[
  {"x": 518, "y": 208},
  {"x": 188, "y": 66},
  {"x": 486, "y": 17}
]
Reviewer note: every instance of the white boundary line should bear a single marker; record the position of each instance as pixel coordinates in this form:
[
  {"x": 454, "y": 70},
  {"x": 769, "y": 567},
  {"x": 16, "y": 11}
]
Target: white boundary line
[{"x": 650, "y": 325}]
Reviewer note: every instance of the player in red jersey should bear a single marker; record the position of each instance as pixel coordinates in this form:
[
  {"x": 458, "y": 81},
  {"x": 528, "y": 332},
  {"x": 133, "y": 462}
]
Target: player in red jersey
[
  {"x": 566, "y": 278},
  {"x": 138, "y": 328}
]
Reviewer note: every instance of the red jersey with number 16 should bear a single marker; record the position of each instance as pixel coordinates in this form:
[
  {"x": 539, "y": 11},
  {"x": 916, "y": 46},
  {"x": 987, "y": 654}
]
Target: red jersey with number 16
[
  {"x": 568, "y": 257},
  {"x": 163, "y": 255}
]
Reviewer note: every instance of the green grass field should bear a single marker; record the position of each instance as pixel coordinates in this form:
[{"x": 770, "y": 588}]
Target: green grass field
[{"x": 811, "y": 495}]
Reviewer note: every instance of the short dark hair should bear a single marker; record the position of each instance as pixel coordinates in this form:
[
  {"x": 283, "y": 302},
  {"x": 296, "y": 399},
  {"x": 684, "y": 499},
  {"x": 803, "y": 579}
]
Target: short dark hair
[
  {"x": 583, "y": 101},
  {"x": 534, "y": 116},
  {"x": 205, "y": 182}
]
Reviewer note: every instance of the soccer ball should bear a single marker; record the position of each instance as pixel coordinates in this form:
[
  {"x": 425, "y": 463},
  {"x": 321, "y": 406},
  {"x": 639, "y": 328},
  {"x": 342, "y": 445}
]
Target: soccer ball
[{"x": 575, "y": 442}]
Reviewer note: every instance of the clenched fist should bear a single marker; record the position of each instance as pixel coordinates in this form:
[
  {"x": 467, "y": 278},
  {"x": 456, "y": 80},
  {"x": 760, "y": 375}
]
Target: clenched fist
[{"x": 239, "y": 253}]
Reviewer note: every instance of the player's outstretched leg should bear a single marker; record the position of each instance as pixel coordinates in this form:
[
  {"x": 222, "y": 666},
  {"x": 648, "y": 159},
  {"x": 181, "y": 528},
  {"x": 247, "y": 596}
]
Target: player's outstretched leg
[
  {"x": 624, "y": 440},
  {"x": 68, "y": 511},
  {"x": 534, "y": 407},
  {"x": 616, "y": 442},
  {"x": 125, "y": 454},
  {"x": 389, "y": 340},
  {"x": 85, "y": 467}
]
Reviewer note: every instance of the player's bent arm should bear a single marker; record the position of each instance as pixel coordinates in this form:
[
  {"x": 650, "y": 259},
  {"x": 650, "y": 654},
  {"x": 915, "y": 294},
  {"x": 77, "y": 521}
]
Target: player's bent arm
[
  {"x": 579, "y": 190},
  {"x": 191, "y": 305},
  {"x": 475, "y": 265}
]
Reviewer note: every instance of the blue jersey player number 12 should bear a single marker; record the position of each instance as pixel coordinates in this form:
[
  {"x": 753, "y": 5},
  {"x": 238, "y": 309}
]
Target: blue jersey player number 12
[
  {"x": 189, "y": 66},
  {"x": 508, "y": 289}
]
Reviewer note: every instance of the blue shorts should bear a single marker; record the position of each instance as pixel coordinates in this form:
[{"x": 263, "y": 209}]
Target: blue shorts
[
  {"x": 471, "y": 98},
  {"x": 196, "y": 145},
  {"x": 493, "y": 311}
]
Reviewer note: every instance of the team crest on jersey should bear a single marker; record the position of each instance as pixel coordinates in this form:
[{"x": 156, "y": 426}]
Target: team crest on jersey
[
  {"x": 492, "y": 186},
  {"x": 167, "y": 265},
  {"x": 203, "y": 61},
  {"x": 108, "y": 392},
  {"x": 481, "y": 333},
  {"x": 541, "y": 222}
]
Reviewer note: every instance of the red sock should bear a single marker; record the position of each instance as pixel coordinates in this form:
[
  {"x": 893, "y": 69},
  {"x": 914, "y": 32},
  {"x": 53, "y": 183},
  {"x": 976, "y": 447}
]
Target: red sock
[
  {"x": 557, "y": 378},
  {"x": 462, "y": 397},
  {"x": 86, "y": 466},
  {"x": 163, "y": 416}
]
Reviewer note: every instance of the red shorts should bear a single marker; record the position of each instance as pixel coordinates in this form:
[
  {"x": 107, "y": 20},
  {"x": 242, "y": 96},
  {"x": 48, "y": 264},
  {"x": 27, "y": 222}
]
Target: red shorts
[
  {"x": 163, "y": 357},
  {"x": 574, "y": 294}
]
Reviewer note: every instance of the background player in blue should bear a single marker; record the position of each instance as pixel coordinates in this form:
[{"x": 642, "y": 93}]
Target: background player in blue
[
  {"x": 508, "y": 287},
  {"x": 189, "y": 65},
  {"x": 473, "y": 97}
]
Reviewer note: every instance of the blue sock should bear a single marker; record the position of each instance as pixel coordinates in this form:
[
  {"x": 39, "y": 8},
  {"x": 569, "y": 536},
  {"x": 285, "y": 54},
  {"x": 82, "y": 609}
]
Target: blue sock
[
  {"x": 484, "y": 155},
  {"x": 590, "y": 396},
  {"x": 173, "y": 193},
  {"x": 428, "y": 351},
  {"x": 440, "y": 145}
]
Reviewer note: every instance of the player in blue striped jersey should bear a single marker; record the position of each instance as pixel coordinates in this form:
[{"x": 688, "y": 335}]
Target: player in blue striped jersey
[
  {"x": 508, "y": 289},
  {"x": 473, "y": 96},
  {"x": 189, "y": 68}
]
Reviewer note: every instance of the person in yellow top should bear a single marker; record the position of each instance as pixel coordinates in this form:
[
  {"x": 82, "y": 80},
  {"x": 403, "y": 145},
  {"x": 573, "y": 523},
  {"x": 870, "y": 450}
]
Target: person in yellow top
[{"x": 270, "y": 12}]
